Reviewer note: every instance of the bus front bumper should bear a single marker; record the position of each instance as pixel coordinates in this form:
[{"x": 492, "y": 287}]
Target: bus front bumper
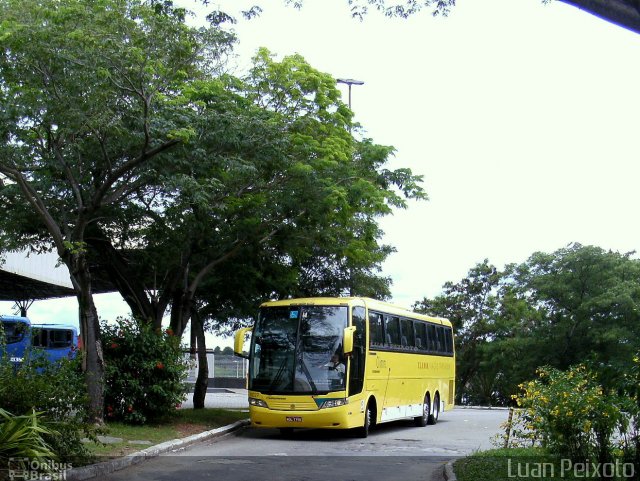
[{"x": 343, "y": 417}]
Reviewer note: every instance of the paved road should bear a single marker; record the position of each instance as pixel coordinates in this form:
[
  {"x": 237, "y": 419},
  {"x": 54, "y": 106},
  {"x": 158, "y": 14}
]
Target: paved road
[{"x": 397, "y": 451}]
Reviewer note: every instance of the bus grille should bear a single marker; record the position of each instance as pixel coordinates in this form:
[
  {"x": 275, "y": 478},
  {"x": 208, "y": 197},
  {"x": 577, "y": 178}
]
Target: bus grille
[{"x": 293, "y": 406}]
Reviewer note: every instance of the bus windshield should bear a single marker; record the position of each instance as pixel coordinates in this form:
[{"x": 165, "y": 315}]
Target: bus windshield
[
  {"x": 14, "y": 331},
  {"x": 298, "y": 349}
]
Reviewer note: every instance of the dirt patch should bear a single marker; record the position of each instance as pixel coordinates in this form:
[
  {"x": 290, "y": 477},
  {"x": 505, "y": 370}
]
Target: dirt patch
[{"x": 187, "y": 429}]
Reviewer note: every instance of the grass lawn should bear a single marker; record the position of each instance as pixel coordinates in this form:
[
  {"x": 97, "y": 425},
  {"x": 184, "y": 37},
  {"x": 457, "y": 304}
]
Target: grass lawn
[
  {"x": 528, "y": 463},
  {"x": 492, "y": 465},
  {"x": 184, "y": 422}
]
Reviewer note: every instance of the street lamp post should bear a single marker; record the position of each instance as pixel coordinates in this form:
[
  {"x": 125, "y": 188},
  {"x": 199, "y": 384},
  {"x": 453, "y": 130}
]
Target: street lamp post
[{"x": 349, "y": 82}]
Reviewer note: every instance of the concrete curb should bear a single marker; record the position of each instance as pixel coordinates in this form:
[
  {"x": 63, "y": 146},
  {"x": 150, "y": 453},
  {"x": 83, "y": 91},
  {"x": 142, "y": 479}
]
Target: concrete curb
[
  {"x": 449, "y": 475},
  {"x": 106, "y": 467}
]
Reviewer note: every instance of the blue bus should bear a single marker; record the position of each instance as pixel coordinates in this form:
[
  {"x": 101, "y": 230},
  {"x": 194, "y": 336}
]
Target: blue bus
[{"x": 55, "y": 341}]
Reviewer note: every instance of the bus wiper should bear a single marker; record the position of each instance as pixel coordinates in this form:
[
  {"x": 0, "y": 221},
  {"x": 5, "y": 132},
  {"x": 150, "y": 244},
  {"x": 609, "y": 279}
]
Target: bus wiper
[
  {"x": 308, "y": 375},
  {"x": 278, "y": 375}
]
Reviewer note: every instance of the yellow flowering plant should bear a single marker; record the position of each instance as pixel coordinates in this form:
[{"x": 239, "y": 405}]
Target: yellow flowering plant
[{"x": 569, "y": 413}]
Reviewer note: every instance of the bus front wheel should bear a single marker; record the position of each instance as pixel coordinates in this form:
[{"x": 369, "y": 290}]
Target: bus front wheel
[
  {"x": 369, "y": 414},
  {"x": 433, "y": 418},
  {"x": 421, "y": 421}
]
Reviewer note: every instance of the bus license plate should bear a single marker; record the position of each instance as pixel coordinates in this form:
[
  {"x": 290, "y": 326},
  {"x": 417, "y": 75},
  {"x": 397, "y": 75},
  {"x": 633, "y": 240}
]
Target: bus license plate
[{"x": 294, "y": 419}]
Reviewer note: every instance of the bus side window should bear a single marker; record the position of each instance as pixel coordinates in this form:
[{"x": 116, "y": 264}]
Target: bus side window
[
  {"x": 449, "y": 340},
  {"x": 392, "y": 329},
  {"x": 440, "y": 338},
  {"x": 421, "y": 335},
  {"x": 39, "y": 338},
  {"x": 60, "y": 338},
  {"x": 376, "y": 335},
  {"x": 432, "y": 344},
  {"x": 408, "y": 336}
]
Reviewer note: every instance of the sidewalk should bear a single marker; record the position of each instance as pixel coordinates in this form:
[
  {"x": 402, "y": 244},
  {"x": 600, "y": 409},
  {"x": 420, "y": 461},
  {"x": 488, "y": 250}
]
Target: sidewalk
[{"x": 228, "y": 398}]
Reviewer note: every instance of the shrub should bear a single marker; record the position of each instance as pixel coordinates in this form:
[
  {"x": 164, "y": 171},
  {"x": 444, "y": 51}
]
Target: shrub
[
  {"x": 57, "y": 391},
  {"x": 570, "y": 413},
  {"x": 144, "y": 372},
  {"x": 518, "y": 432},
  {"x": 22, "y": 436}
]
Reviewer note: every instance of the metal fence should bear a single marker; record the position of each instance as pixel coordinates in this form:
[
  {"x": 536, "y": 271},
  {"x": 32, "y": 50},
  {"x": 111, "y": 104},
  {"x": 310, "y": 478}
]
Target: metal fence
[{"x": 220, "y": 366}]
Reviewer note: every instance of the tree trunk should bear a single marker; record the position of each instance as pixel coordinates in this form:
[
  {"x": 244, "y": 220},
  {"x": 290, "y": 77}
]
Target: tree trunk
[
  {"x": 202, "y": 382},
  {"x": 181, "y": 311},
  {"x": 92, "y": 358}
]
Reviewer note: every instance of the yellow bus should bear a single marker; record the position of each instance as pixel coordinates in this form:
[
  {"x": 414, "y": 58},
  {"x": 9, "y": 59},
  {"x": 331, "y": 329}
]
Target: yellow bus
[{"x": 343, "y": 363}]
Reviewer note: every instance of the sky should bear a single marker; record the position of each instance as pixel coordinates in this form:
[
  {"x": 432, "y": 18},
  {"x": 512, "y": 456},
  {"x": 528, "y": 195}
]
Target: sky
[{"x": 520, "y": 116}]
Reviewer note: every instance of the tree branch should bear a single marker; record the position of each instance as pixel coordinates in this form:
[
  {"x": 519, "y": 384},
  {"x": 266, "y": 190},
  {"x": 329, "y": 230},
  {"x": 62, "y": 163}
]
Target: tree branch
[
  {"x": 34, "y": 199},
  {"x": 209, "y": 267},
  {"x": 75, "y": 186},
  {"x": 624, "y": 13},
  {"x": 113, "y": 177}
]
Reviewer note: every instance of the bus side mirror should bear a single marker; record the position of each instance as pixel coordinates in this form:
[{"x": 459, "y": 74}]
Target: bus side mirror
[
  {"x": 238, "y": 341},
  {"x": 347, "y": 339}
]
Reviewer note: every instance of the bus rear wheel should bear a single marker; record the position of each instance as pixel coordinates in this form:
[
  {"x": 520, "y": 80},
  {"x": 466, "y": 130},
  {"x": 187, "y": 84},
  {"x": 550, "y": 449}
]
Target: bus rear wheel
[
  {"x": 421, "y": 421},
  {"x": 433, "y": 418}
]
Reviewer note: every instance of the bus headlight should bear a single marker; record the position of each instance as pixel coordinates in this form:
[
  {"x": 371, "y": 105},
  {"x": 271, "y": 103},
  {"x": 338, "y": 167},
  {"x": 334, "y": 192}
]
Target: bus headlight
[
  {"x": 334, "y": 403},
  {"x": 257, "y": 402}
]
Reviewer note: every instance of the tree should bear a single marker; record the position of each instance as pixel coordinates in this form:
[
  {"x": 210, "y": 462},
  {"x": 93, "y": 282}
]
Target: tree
[
  {"x": 588, "y": 300},
  {"x": 472, "y": 307},
  {"x": 90, "y": 108},
  {"x": 275, "y": 181},
  {"x": 576, "y": 305},
  {"x": 279, "y": 199}
]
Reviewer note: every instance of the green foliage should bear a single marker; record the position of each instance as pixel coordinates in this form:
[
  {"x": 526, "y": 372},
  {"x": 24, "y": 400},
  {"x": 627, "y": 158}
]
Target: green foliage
[
  {"x": 145, "y": 372},
  {"x": 118, "y": 130},
  {"x": 277, "y": 198},
  {"x": 56, "y": 391},
  {"x": 90, "y": 96},
  {"x": 24, "y": 436},
  {"x": 574, "y": 305},
  {"x": 571, "y": 414},
  {"x": 587, "y": 300},
  {"x": 473, "y": 306}
]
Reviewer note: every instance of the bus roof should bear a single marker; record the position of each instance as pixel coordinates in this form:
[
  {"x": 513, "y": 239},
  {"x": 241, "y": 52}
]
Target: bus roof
[
  {"x": 50, "y": 325},
  {"x": 15, "y": 319},
  {"x": 357, "y": 301}
]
